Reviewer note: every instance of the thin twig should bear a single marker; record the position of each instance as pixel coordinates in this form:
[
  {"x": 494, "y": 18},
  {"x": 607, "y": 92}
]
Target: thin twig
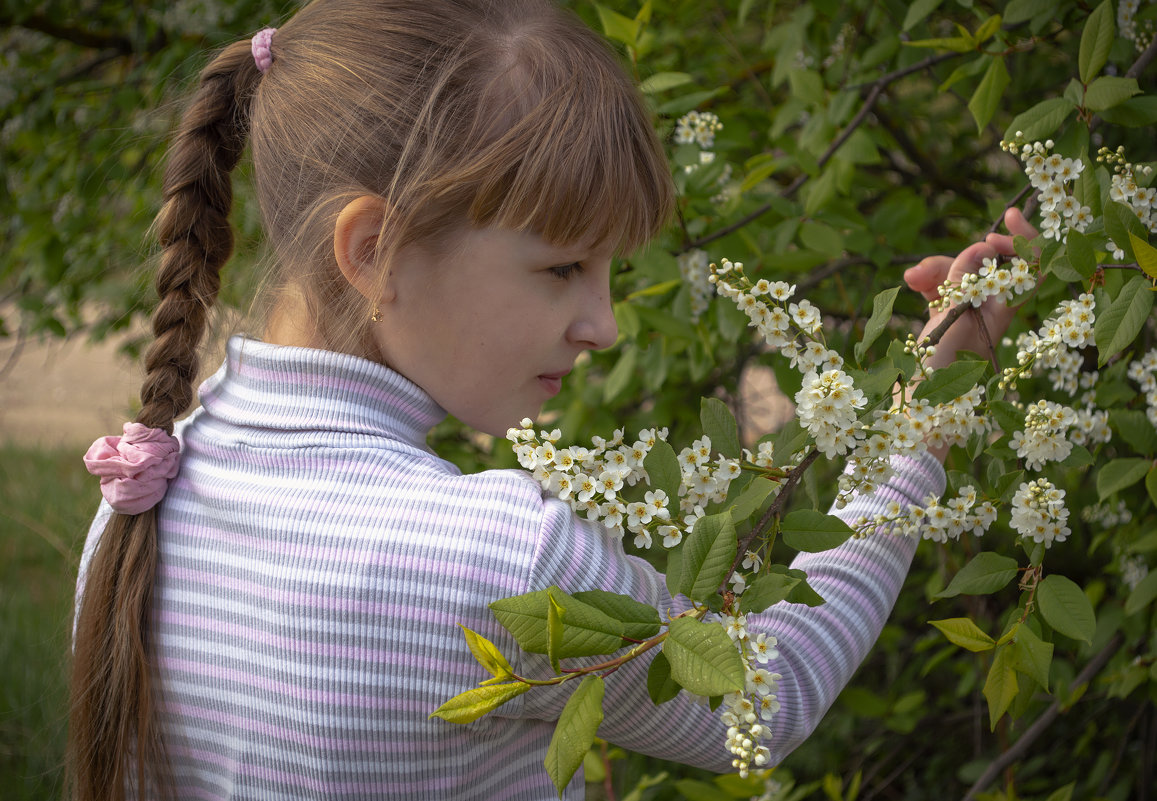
[{"x": 1033, "y": 732}]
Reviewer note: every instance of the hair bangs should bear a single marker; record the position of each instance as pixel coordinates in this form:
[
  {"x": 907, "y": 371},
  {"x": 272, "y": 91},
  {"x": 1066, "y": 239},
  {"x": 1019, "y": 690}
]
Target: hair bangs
[{"x": 582, "y": 164}]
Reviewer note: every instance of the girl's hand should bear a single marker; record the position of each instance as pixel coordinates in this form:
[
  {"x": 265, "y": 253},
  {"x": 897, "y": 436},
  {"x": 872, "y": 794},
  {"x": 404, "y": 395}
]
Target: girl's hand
[{"x": 965, "y": 333}]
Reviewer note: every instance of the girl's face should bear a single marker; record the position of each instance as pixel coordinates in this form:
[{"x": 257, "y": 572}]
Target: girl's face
[{"x": 491, "y": 328}]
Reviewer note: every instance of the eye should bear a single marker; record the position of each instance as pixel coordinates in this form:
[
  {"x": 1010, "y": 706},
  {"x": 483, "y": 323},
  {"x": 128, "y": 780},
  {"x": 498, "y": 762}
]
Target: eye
[{"x": 565, "y": 271}]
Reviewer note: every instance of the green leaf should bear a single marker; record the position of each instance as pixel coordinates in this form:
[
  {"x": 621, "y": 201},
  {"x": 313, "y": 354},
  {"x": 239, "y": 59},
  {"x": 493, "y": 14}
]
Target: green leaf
[
  {"x": 790, "y": 439},
  {"x": 662, "y": 466},
  {"x": 1066, "y": 608},
  {"x": 708, "y": 553},
  {"x": 1040, "y": 121},
  {"x": 719, "y": 424},
  {"x": 1120, "y": 221},
  {"x": 1032, "y": 656},
  {"x": 1080, "y": 252},
  {"x": 1024, "y": 10},
  {"x": 1096, "y": 41},
  {"x": 752, "y": 497},
  {"x": 1146, "y": 254},
  {"x": 987, "y": 29},
  {"x": 487, "y": 654},
  {"x": 1001, "y": 686},
  {"x": 473, "y": 704},
  {"x": 985, "y": 574},
  {"x": 878, "y": 322},
  {"x": 957, "y": 44},
  {"x": 1143, "y": 594},
  {"x": 621, "y": 374},
  {"x": 770, "y": 588},
  {"x": 617, "y": 27},
  {"x": 949, "y": 383},
  {"x": 662, "y": 81},
  {"x": 812, "y": 531},
  {"x": 1108, "y": 91},
  {"x": 963, "y": 632},
  {"x": 639, "y": 620},
  {"x": 660, "y": 686},
  {"x": 987, "y": 96},
  {"x": 574, "y": 734},
  {"x": 1120, "y": 474},
  {"x": 1136, "y": 112},
  {"x": 554, "y": 630},
  {"x": 703, "y": 658},
  {"x": 917, "y": 11},
  {"x": 586, "y": 630},
  {"x": 1063, "y": 794},
  {"x": 1151, "y": 484},
  {"x": 1118, "y": 326}
]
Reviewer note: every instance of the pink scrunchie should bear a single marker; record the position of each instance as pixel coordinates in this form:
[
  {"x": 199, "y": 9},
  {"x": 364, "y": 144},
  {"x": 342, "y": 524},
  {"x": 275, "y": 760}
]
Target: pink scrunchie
[
  {"x": 262, "y": 52},
  {"x": 134, "y": 469}
]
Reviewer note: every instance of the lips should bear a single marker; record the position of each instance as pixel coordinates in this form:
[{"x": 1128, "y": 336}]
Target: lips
[{"x": 552, "y": 382}]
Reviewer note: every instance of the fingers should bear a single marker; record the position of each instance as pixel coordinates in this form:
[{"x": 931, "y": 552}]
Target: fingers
[
  {"x": 1017, "y": 225},
  {"x": 927, "y": 275}
]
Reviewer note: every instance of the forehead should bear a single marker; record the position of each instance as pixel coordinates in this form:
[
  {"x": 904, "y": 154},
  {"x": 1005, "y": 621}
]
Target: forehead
[{"x": 527, "y": 244}]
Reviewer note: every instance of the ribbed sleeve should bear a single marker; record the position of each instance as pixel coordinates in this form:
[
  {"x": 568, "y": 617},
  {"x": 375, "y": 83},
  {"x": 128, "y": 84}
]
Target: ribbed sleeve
[{"x": 316, "y": 560}]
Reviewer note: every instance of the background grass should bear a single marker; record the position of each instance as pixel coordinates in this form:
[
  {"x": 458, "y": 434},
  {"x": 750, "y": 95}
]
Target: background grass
[{"x": 46, "y": 501}]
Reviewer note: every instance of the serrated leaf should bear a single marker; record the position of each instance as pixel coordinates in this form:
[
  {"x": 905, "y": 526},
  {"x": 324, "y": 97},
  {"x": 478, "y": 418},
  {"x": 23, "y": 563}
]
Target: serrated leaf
[
  {"x": 719, "y": 424},
  {"x": 1032, "y": 656},
  {"x": 1143, "y": 594},
  {"x": 1120, "y": 221},
  {"x": 878, "y": 322},
  {"x": 473, "y": 704},
  {"x": 949, "y": 383},
  {"x": 662, "y": 466},
  {"x": 703, "y": 658},
  {"x": 986, "y": 98},
  {"x": 554, "y": 630},
  {"x": 487, "y": 654},
  {"x": 752, "y": 497},
  {"x": 660, "y": 686},
  {"x": 1096, "y": 41},
  {"x": 1080, "y": 253},
  {"x": 812, "y": 531},
  {"x": 574, "y": 734},
  {"x": 1145, "y": 254},
  {"x": 1042, "y": 120},
  {"x": 708, "y": 553},
  {"x": 770, "y": 588},
  {"x": 1120, "y": 474},
  {"x": 1008, "y": 416},
  {"x": 986, "y": 573},
  {"x": 639, "y": 620},
  {"x": 586, "y": 630},
  {"x": 1109, "y": 91},
  {"x": 1066, "y": 608},
  {"x": 1001, "y": 686},
  {"x": 662, "y": 81},
  {"x": 1117, "y": 326},
  {"x": 963, "y": 632}
]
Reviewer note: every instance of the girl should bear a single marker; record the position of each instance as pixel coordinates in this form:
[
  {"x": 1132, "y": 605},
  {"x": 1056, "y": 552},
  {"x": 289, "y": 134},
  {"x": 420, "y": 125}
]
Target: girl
[{"x": 443, "y": 185}]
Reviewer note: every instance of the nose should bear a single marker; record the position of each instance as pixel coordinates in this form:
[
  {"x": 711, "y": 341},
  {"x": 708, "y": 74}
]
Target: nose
[{"x": 594, "y": 327}]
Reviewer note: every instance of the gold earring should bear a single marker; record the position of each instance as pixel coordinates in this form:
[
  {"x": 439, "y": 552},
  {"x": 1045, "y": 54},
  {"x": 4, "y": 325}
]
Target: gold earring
[{"x": 376, "y": 317}]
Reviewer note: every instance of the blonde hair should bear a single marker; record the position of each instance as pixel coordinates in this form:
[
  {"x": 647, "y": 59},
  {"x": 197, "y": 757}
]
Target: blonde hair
[{"x": 506, "y": 113}]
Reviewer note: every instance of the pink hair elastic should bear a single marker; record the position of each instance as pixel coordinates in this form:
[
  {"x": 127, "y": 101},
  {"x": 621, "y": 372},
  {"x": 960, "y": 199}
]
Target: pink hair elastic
[
  {"x": 262, "y": 52},
  {"x": 134, "y": 469}
]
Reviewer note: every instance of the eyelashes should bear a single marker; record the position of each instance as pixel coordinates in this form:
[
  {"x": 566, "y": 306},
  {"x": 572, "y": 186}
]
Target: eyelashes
[{"x": 565, "y": 271}]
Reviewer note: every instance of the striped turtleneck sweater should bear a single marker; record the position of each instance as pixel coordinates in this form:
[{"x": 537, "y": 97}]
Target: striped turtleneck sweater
[{"x": 316, "y": 560}]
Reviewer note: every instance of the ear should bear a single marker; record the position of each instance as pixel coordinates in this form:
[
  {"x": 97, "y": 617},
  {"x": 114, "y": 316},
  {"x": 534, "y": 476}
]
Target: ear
[{"x": 355, "y": 240}]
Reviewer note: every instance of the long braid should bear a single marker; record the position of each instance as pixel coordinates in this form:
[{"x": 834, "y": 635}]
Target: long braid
[{"x": 113, "y": 723}]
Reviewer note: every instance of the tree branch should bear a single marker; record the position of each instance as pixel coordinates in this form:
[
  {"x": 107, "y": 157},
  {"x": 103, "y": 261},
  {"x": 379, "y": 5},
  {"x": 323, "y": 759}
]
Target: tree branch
[{"x": 1033, "y": 732}]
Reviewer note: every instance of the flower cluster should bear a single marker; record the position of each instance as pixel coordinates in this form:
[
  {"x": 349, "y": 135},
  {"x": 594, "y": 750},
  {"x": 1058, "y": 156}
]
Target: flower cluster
[
  {"x": 696, "y": 274},
  {"x": 746, "y": 712},
  {"x": 1124, "y": 189},
  {"x": 1106, "y": 514},
  {"x": 935, "y": 520},
  {"x": 1039, "y": 513},
  {"x": 1070, "y": 327},
  {"x": 1144, "y": 372},
  {"x": 593, "y": 481},
  {"x": 891, "y": 433},
  {"x": 1140, "y": 32},
  {"x": 1050, "y": 174},
  {"x": 1043, "y": 439},
  {"x": 993, "y": 280},
  {"x": 697, "y": 127},
  {"x": 1133, "y": 570},
  {"x": 827, "y": 406}
]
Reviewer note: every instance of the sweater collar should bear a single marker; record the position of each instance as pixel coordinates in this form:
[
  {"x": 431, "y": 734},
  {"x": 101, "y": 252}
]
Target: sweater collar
[{"x": 299, "y": 389}]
